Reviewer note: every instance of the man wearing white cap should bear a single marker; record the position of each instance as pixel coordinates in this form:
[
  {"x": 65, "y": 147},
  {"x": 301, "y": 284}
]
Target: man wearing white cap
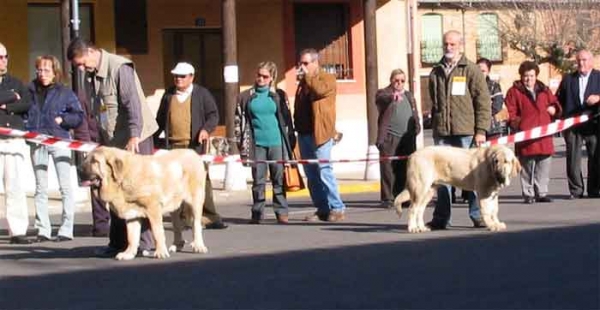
[{"x": 187, "y": 115}]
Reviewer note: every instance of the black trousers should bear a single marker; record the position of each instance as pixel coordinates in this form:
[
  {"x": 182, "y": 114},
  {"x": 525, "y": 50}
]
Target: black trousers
[
  {"x": 574, "y": 139},
  {"x": 118, "y": 226},
  {"x": 393, "y": 173}
]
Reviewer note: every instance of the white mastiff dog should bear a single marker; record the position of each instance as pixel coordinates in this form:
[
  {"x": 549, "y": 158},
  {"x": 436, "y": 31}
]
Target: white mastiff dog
[{"x": 483, "y": 170}]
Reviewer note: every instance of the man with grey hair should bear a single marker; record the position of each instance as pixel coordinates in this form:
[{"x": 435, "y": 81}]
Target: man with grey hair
[
  {"x": 125, "y": 120},
  {"x": 14, "y": 104},
  {"x": 461, "y": 115},
  {"x": 314, "y": 120},
  {"x": 579, "y": 92}
]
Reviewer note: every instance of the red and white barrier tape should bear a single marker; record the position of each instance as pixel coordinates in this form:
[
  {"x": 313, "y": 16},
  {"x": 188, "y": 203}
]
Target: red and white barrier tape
[
  {"x": 82, "y": 146},
  {"x": 542, "y": 131},
  {"x": 43, "y": 139}
]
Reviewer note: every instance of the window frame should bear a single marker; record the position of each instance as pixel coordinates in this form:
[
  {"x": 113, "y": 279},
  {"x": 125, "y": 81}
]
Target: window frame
[{"x": 426, "y": 62}]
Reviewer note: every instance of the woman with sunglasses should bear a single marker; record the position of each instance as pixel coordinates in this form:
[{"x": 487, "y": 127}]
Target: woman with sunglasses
[
  {"x": 398, "y": 125},
  {"x": 54, "y": 111},
  {"x": 264, "y": 131}
]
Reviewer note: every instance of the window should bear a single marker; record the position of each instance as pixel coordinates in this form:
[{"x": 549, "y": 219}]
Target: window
[
  {"x": 325, "y": 28},
  {"x": 44, "y": 31},
  {"x": 488, "y": 42},
  {"x": 132, "y": 26},
  {"x": 431, "y": 41}
]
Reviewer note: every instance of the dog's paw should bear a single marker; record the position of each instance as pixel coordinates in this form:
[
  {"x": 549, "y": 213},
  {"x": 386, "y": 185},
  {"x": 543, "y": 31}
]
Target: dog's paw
[
  {"x": 497, "y": 226},
  {"x": 197, "y": 248},
  {"x": 161, "y": 253},
  {"x": 125, "y": 256}
]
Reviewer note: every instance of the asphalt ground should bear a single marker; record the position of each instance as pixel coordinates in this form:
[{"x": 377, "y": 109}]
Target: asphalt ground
[{"x": 547, "y": 259}]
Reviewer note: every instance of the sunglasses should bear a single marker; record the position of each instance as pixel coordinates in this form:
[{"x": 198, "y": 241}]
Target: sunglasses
[
  {"x": 179, "y": 76},
  {"x": 264, "y": 76},
  {"x": 2, "y": 57},
  {"x": 399, "y": 80}
]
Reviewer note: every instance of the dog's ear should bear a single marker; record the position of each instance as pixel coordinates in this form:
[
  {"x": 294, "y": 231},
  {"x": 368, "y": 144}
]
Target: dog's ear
[
  {"x": 516, "y": 167},
  {"x": 116, "y": 166}
]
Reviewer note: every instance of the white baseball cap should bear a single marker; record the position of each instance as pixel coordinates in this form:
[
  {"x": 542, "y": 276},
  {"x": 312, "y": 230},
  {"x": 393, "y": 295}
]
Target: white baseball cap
[{"x": 183, "y": 68}]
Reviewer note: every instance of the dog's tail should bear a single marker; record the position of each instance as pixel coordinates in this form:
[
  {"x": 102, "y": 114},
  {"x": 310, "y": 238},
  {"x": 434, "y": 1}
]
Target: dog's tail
[{"x": 404, "y": 196}]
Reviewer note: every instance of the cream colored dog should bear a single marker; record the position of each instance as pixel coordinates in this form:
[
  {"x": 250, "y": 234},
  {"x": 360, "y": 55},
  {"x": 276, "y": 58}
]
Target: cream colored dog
[
  {"x": 144, "y": 186},
  {"x": 483, "y": 170}
]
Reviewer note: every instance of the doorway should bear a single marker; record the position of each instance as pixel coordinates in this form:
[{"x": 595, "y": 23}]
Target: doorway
[{"x": 203, "y": 48}]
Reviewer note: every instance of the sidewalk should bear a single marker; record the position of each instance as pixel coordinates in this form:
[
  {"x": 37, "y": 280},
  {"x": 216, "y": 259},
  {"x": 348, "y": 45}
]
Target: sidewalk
[{"x": 349, "y": 181}]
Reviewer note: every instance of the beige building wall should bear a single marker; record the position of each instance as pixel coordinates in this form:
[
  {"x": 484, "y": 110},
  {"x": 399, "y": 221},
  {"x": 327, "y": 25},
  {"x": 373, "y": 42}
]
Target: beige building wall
[
  {"x": 391, "y": 39},
  {"x": 13, "y": 33},
  {"x": 259, "y": 34},
  {"x": 506, "y": 72}
]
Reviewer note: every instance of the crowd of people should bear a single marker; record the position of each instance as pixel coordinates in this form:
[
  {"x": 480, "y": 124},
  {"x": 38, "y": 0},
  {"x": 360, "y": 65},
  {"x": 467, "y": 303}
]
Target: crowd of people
[{"x": 468, "y": 108}]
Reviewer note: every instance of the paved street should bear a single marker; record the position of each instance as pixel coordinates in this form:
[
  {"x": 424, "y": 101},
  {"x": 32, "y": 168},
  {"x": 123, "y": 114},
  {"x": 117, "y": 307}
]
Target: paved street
[{"x": 547, "y": 259}]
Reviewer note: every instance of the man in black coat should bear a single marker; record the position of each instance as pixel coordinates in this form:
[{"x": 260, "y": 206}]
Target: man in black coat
[
  {"x": 14, "y": 104},
  {"x": 187, "y": 115},
  {"x": 579, "y": 92}
]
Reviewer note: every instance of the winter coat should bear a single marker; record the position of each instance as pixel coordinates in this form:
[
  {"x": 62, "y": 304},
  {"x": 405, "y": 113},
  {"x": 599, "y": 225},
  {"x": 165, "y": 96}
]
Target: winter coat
[
  {"x": 466, "y": 114},
  {"x": 204, "y": 112},
  {"x": 14, "y": 114},
  {"x": 568, "y": 96},
  {"x": 383, "y": 100},
  {"x": 243, "y": 131},
  {"x": 319, "y": 90},
  {"x": 59, "y": 101},
  {"x": 526, "y": 113}
]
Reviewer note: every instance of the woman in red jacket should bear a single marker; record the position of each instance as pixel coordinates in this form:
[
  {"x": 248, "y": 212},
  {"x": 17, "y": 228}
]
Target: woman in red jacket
[{"x": 530, "y": 104}]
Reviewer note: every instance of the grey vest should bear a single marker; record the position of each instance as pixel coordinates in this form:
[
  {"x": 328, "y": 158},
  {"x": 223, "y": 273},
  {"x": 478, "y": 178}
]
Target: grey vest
[{"x": 115, "y": 129}]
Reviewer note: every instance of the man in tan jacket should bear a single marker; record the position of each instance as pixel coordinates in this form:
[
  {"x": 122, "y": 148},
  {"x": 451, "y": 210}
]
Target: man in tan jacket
[
  {"x": 124, "y": 120},
  {"x": 314, "y": 120}
]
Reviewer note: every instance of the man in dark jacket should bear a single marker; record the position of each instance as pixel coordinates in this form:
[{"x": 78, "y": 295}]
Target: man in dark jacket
[
  {"x": 187, "y": 115},
  {"x": 461, "y": 113},
  {"x": 14, "y": 104},
  {"x": 397, "y": 127},
  {"x": 579, "y": 92}
]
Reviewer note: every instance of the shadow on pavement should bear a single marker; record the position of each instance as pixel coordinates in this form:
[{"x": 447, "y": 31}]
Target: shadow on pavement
[{"x": 537, "y": 269}]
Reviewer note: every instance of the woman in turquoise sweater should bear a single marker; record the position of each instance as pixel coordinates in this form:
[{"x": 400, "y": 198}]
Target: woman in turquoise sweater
[{"x": 264, "y": 131}]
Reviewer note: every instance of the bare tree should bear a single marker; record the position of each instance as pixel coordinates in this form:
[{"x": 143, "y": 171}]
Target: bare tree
[{"x": 548, "y": 31}]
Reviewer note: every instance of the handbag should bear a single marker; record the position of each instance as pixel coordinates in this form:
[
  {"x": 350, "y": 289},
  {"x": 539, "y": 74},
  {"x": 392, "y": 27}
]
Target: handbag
[
  {"x": 292, "y": 180},
  {"x": 502, "y": 115}
]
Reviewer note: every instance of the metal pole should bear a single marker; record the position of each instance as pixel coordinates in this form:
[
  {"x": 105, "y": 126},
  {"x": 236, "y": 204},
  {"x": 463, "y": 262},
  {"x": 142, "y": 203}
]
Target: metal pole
[
  {"x": 77, "y": 76},
  {"x": 75, "y": 21},
  {"x": 65, "y": 21},
  {"x": 370, "y": 20}
]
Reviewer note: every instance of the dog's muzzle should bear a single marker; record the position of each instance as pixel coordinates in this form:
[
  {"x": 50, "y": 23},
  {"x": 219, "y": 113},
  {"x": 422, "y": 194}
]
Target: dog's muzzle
[{"x": 501, "y": 179}]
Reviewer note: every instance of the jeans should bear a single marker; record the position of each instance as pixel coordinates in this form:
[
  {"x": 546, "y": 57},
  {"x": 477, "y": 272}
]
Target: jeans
[
  {"x": 322, "y": 184},
  {"x": 443, "y": 205},
  {"x": 40, "y": 155},
  {"x": 12, "y": 161},
  {"x": 259, "y": 177}
]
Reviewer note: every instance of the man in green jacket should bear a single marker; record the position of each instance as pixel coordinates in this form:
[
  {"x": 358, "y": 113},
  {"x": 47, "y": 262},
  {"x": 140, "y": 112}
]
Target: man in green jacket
[{"x": 461, "y": 115}]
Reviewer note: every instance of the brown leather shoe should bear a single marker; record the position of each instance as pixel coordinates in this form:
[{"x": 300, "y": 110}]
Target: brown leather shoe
[
  {"x": 316, "y": 217},
  {"x": 282, "y": 219},
  {"x": 335, "y": 216}
]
